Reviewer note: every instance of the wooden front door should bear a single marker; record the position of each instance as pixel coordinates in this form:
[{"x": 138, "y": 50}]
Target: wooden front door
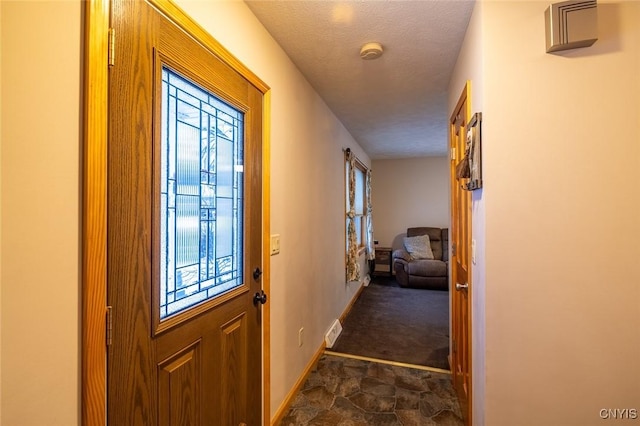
[
  {"x": 460, "y": 265},
  {"x": 184, "y": 230}
]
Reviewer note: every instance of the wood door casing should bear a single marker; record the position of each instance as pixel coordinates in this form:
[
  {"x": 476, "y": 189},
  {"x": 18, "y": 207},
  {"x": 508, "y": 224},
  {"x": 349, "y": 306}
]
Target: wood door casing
[
  {"x": 460, "y": 265},
  {"x": 203, "y": 367}
]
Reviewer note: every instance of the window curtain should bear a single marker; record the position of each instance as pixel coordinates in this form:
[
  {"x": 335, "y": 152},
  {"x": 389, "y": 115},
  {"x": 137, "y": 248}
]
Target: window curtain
[
  {"x": 371, "y": 251},
  {"x": 353, "y": 267}
]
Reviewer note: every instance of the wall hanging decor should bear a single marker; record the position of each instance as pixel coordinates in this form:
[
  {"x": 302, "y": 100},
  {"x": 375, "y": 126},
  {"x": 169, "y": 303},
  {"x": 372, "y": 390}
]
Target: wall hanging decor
[{"x": 473, "y": 154}]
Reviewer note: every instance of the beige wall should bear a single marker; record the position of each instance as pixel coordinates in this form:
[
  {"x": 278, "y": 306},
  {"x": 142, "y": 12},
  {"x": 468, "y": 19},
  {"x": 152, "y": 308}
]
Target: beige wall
[
  {"x": 40, "y": 141},
  {"x": 406, "y": 193},
  {"x": 560, "y": 149}
]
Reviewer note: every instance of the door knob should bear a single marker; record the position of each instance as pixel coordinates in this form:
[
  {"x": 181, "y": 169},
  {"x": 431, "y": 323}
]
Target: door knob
[
  {"x": 260, "y": 297},
  {"x": 460, "y": 287}
]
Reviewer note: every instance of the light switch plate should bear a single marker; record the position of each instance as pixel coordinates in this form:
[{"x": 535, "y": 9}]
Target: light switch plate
[{"x": 275, "y": 244}]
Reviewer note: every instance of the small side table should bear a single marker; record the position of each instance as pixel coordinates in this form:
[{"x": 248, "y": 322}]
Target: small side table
[{"x": 383, "y": 258}]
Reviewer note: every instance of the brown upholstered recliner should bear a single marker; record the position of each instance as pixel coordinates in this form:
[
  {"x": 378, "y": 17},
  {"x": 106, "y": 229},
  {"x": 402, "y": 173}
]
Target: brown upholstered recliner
[{"x": 424, "y": 273}]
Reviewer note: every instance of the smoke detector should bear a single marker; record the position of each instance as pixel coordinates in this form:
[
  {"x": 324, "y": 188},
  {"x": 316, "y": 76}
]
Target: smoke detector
[{"x": 371, "y": 50}]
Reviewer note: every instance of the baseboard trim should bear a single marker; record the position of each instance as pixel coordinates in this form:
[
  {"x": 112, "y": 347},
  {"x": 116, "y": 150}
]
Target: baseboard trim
[
  {"x": 351, "y": 303},
  {"x": 286, "y": 403},
  {"x": 284, "y": 407}
]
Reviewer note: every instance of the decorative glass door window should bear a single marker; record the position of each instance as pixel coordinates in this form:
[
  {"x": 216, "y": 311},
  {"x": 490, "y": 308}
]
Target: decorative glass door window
[{"x": 201, "y": 208}]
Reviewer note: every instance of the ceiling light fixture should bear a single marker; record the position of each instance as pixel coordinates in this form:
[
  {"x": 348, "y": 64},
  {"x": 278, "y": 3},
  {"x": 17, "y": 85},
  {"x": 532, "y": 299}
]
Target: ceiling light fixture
[{"x": 371, "y": 50}]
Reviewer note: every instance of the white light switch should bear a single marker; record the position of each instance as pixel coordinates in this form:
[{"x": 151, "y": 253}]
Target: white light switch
[{"x": 275, "y": 244}]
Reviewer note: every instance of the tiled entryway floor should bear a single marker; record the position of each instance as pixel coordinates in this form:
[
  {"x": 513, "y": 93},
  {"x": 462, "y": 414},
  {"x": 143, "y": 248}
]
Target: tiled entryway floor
[{"x": 343, "y": 391}]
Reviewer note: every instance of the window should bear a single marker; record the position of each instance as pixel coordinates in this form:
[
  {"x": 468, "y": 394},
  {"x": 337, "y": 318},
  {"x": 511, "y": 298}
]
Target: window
[
  {"x": 201, "y": 195},
  {"x": 359, "y": 205}
]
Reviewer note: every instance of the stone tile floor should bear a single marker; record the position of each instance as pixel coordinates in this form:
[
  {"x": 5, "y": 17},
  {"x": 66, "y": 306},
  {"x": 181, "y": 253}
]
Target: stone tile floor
[{"x": 348, "y": 392}]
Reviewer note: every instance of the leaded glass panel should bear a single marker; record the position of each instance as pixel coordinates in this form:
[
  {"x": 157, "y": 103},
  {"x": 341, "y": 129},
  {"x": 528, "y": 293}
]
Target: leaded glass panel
[{"x": 201, "y": 195}]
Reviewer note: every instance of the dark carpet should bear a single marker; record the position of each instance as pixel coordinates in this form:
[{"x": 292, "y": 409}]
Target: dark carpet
[{"x": 398, "y": 324}]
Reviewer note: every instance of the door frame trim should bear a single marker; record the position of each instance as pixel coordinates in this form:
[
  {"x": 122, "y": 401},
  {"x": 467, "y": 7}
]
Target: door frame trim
[
  {"x": 94, "y": 200},
  {"x": 465, "y": 96},
  {"x": 94, "y": 214}
]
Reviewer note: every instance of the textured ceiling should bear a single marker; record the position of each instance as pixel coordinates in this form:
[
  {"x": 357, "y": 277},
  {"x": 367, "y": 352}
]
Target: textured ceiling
[{"x": 394, "y": 106}]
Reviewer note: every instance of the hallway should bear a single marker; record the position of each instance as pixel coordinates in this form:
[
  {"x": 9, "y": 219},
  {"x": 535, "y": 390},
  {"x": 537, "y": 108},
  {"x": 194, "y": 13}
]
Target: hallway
[{"x": 345, "y": 391}]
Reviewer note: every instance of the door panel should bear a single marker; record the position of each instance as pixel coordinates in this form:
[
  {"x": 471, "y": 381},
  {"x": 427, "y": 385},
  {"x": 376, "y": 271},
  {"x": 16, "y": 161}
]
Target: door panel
[
  {"x": 461, "y": 248},
  {"x": 232, "y": 353},
  {"x": 179, "y": 387},
  {"x": 186, "y": 367}
]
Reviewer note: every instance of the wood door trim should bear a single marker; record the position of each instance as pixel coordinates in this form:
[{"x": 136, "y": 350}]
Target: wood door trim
[
  {"x": 94, "y": 214},
  {"x": 94, "y": 196},
  {"x": 176, "y": 15},
  {"x": 266, "y": 256},
  {"x": 465, "y": 97}
]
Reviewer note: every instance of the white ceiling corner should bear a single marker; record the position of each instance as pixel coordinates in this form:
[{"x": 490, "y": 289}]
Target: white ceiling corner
[{"x": 394, "y": 106}]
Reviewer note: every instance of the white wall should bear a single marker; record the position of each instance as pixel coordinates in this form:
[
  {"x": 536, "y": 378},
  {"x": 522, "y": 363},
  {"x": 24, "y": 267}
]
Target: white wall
[
  {"x": 40, "y": 141},
  {"x": 41, "y": 128},
  {"x": 560, "y": 153},
  {"x": 406, "y": 193}
]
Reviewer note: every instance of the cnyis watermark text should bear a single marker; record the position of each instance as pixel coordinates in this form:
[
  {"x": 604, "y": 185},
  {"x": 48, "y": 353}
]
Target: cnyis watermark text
[{"x": 619, "y": 413}]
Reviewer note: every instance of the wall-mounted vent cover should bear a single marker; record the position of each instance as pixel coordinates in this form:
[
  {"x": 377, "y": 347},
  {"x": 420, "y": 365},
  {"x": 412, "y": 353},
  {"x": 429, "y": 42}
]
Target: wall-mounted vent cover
[
  {"x": 571, "y": 24},
  {"x": 333, "y": 333}
]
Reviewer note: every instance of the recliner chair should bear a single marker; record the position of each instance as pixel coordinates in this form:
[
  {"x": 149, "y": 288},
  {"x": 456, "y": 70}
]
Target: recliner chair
[{"x": 424, "y": 273}]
